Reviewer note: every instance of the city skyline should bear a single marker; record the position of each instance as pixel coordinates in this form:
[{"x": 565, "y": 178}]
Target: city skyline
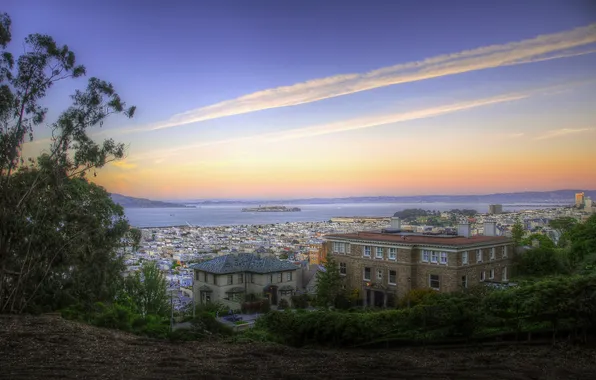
[{"x": 299, "y": 100}]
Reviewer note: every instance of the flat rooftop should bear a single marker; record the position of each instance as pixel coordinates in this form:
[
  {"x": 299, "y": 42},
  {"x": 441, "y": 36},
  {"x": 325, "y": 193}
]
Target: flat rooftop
[{"x": 408, "y": 238}]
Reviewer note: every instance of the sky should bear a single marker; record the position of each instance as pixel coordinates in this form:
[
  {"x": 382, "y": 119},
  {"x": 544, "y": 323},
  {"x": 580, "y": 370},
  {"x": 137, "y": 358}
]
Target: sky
[{"x": 292, "y": 99}]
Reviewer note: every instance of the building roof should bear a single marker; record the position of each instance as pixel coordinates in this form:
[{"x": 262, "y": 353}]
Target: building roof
[
  {"x": 244, "y": 262},
  {"x": 419, "y": 239}
]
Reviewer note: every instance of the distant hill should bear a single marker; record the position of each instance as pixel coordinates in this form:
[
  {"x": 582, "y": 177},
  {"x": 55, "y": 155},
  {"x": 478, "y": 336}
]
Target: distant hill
[
  {"x": 555, "y": 197},
  {"x": 131, "y": 202}
]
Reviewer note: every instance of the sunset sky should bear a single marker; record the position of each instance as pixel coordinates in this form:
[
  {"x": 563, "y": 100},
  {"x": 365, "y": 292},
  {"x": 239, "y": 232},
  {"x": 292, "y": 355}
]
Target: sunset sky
[{"x": 274, "y": 99}]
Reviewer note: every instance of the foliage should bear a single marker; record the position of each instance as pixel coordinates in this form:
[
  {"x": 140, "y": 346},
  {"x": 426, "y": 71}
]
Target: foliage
[
  {"x": 517, "y": 233},
  {"x": 329, "y": 284},
  {"x": 543, "y": 241},
  {"x": 465, "y": 212},
  {"x": 147, "y": 290},
  {"x": 206, "y": 325},
  {"x": 59, "y": 234},
  {"x": 582, "y": 250},
  {"x": 540, "y": 261},
  {"x": 417, "y": 296},
  {"x": 300, "y": 301},
  {"x": 283, "y": 304},
  {"x": 558, "y": 302}
]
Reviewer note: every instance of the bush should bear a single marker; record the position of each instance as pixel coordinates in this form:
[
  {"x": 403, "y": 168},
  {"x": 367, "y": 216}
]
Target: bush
[
  {"x": 206, "y": 324},
  {"x": 283, "y": 304},
  {"x": 300, "y": 301},
  {"x": 417, "y": 296},
  {"x": 254, "y": 335}
]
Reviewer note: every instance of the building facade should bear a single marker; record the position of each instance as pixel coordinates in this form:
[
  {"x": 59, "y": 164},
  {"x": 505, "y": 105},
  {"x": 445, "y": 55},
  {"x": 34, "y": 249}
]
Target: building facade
[
  {"x": 495, "y": 209},
  {"x": 384, "y": 266},
  {"x": 228, "y": 279}
]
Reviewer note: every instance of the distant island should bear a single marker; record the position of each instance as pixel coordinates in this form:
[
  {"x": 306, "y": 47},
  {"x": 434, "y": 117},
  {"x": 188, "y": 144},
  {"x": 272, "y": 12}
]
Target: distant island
[
  {"x": 271, "y": 209},
  {"x": 131, "y": 202}
]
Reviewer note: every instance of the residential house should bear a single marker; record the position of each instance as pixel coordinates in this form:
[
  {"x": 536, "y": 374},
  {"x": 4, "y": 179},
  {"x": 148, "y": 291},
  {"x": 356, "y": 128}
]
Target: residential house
[{"x": 228, "y": 279}]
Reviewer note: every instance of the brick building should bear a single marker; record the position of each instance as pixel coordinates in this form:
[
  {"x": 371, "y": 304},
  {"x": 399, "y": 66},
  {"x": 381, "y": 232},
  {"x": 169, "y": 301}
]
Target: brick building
[{"x": 383, "y": 266}]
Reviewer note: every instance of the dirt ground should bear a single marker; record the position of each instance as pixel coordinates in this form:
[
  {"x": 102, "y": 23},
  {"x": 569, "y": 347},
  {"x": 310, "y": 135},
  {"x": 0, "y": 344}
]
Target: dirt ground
[{"x": 49, "y": 347}]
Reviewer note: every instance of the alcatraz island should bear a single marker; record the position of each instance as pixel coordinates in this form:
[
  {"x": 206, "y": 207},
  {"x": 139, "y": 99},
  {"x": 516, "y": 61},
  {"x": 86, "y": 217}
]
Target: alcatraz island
[{"x": 271, "y": 209}]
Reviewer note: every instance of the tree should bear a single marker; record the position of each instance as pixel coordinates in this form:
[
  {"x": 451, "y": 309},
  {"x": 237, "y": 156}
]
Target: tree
[
  {"x": 582, "y": 249},
  {"x": 146, "y": 291},
  {"x": 329, "y": 284},
  {"x": 543, "y": 241},
  {"x": 540, "y": 261},
  {"x": 59, "y": 234},
  {"x": 517, "y": 233}
]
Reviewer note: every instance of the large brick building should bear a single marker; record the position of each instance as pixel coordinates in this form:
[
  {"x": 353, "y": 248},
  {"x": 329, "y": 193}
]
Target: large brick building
[{"x": 383, "y": 266}]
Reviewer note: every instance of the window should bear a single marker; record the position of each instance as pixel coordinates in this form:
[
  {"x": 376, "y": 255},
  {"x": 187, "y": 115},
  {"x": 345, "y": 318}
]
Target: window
[
  {"x": 339, "y": 247},
  {"x": 464, "y": 282},
  {"x": 343, "y": 269},
  {"x": 367, "y": 274},
  {"x": 366, "y": 251},
  {"x": 280, "y": 277},
  {"x": 379, "y": 254},
  {"x": 464, "y": 258},
  {"x": 491, "y": 274},
  {"x": 479, "y": 256},
  {"x": 214, "y": 280},
  {"x": 504, "y": 251},
  {"x": 240, "y": 278},
  {"x": 252, "y": 278},
  {"x": 443, "y": 257},
  {"x": 197, "y": 275},
  {"x": 392, "y": 277},
  {"x": 230, "y": 279},
  {"x": 434, "y": 257},
  {"x": 392, "y": 253},
  {"x": 504, "y": 274},
  {"x": 379, "y": 274},
  {"x": 492, "y": 253},
  {"x": 434, "y": 281},
  {"x": 482, "y": 276},
  {"x": 289, "y": 276},
  {"x": 425, "y": 256},
  {"x": 204, "y": 276},
  {"x": 271, "y": 279}
]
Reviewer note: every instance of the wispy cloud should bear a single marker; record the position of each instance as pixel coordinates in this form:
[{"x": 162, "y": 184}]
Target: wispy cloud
[
  {"x": 352, "y": 124},
  {"x": 540, "y": 48},
  {"x": 562, "y": 132}
]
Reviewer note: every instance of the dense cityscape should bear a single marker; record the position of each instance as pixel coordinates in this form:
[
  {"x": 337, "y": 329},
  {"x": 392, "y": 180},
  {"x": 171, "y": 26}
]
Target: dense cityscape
[{"x": 175, "y": 249}]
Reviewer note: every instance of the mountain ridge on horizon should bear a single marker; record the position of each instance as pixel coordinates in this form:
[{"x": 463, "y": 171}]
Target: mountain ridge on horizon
[{"x": 565, "y": 196}]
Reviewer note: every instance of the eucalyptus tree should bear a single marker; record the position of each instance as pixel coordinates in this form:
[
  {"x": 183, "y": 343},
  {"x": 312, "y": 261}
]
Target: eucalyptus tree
[{"x": 59, "y": 233}]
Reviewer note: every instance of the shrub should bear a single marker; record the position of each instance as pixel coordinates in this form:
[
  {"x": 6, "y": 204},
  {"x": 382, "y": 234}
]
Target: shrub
[
  {"x": 206, "y": 324},
  {"x": 283, "y": 304},
  {"x": 300, "y": 301},
  {"x": 417, "y": 296}
]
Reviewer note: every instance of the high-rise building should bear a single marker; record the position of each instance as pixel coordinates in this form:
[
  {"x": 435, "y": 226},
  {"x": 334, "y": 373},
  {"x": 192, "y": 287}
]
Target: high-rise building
[
  {"x": 495, "y": 209},
  {"x": 579, "y": 199}
]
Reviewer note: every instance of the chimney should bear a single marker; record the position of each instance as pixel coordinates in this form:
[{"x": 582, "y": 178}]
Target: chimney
[
  {"x": 490, "y": 228},
  {"x": 463, "y": 229},
  {"x": 395, "y": 223}
]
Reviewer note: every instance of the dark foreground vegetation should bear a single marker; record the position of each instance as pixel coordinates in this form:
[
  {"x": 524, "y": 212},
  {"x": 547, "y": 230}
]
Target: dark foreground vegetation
[{"x": 52, "y": 347}]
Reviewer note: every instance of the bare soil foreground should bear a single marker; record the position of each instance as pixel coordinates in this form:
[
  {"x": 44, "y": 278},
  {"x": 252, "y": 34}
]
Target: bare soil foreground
[{"x": 49, "y": 347}]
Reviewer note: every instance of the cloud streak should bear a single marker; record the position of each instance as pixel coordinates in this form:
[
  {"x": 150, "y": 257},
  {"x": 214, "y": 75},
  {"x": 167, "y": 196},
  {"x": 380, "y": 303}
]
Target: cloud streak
[
  {"x": 353, "y": 124},
  {"x": 541, "y": 48},
  {"x": 562, "y": 132}
]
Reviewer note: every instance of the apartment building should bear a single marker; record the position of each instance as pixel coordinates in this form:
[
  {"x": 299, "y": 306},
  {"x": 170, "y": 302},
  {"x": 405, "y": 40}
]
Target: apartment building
[
  {"x": 383, "y": 266},
  {"x": 228, "y": 279}
]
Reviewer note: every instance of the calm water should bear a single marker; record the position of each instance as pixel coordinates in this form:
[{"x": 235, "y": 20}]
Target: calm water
[{"x": 231, "y": 214}]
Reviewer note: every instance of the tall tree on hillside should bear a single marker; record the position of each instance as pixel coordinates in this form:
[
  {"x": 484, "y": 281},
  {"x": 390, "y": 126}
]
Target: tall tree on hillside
[
  {"x": 146, "y": 290},
  {"x": 517, "y": 232},
  {"x": 329, "y": 284},
  {"x": 59, "y": 234}
]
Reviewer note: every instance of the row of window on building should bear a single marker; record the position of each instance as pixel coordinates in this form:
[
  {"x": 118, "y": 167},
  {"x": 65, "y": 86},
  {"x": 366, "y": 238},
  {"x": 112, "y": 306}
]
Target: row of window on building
[
  {"x": 434, "y": 279},
  {"x": 249, "y": 278},
  {"x": 426, "y": 255}
]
